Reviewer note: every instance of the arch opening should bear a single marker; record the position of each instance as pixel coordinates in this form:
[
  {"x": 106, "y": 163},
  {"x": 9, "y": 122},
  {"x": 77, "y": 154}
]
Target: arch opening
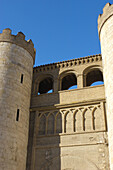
[
  {"x": 42, "y": 125},
  {"x": 94, "y": 78},
  {"x": 69, "y": 82},
  {"x": 50, "y": 124},
  {"x": 46, "y": 86}
]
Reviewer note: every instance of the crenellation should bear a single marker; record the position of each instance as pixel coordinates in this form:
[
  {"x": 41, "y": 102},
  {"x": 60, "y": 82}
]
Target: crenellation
[
  {"x": 106, "y": 7},
  {"x": 7, "y": 31},
  {"x": 19, "y": 40},
  {"x": 102, "y": 19},
  {"x": 20, "y": 35},
  {"x": 14, "y": 98}
]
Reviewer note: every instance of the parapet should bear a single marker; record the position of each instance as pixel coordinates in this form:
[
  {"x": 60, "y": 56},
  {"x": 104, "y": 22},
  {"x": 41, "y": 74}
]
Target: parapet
[
  {"x": 107, "y": 13},
  {"x": 68, "y": 63},
  {"x": 19, "y": 40}
]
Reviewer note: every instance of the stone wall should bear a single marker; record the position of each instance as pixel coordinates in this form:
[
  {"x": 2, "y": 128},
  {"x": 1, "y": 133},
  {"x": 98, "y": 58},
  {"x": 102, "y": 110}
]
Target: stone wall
[
  {"x": 70, "y": 129},
  {"x": 16, "y": 66},
  {"x": 105, "y": 29}
]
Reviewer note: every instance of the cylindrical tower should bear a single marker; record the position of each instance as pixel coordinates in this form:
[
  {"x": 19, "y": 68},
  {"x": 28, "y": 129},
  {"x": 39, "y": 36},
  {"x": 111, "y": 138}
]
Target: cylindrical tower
[
  {"x": 105, "y": 29},
  {"x": 16, "y": 66}
]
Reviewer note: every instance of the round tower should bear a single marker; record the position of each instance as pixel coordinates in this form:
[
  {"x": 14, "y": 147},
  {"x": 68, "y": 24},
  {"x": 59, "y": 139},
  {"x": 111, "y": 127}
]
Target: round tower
[
  {"x": 16, "y": 67},
  {"x": 105, "y": 29}
]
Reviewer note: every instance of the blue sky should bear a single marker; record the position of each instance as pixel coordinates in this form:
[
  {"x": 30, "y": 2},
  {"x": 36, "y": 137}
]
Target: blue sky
[{"x": 60, "y": 29}]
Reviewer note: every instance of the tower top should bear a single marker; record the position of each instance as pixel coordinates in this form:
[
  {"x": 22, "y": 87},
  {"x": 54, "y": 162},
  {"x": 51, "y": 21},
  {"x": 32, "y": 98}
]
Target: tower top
[
  {"x": 19, "y": 40},
  {"x": 107, "y": 13}
]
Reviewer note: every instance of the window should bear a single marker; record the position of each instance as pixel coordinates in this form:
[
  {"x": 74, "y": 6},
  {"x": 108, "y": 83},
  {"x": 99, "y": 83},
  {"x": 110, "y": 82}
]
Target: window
[
  {"x": 22, "y": 78},
  {"x": 17, "y": 115}
]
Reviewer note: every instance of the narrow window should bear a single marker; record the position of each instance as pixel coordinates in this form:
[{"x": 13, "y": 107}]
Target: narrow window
[
  {"x": 84, "y": 121},
  {"x": 17, "y": 115},
  {"x": 22, "y": 78}
]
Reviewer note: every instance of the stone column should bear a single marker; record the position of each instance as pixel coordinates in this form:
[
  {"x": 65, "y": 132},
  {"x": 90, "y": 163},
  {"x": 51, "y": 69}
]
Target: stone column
[
  {"x": 55, "y": 85},
  {"x": 105, "y": 29},
  {"x": 80, "y": 81}
]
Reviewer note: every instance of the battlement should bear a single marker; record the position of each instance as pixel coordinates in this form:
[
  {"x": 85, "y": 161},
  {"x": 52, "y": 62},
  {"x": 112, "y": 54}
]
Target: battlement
[
  {"x": 19, "y": 40},
  {"x": 69, "y": 63},
  {"x": 107, "y": 13}
]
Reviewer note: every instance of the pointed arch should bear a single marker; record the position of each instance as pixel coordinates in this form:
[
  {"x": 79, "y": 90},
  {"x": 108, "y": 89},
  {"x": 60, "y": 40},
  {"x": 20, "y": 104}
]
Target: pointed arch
[
  {"x": 42, "y": 125},
  {"x": 97, "y": 120},
  {"x": 58, "y": 122},
  {"x": 87, "y": 120},
  {"x": 84, "y": 119},
  {"x": 77, "y": 121},
  {"x": 66, "y": 121},
  {"x": 50, "y": 123}
]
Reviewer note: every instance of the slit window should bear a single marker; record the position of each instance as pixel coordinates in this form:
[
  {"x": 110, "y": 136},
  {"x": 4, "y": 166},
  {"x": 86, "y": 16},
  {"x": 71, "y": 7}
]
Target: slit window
[
  {"x": 22, "y": 76},
  {"x": 17, "y": 115}
]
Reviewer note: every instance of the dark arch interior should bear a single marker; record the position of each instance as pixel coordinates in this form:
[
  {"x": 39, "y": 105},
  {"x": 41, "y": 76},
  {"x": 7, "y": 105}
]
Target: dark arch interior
[
  {"x": 69, "y": 81},
  {"x": 94, "y": 76},
  {"x": 46, "y": 85}
]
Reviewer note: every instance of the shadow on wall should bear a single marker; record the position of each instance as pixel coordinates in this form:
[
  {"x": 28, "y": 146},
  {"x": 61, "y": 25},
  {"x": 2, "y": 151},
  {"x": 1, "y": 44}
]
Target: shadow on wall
[
  {"x": 44, "y": 151},
  {"x": 46, "y": 157},
  {"x": 48, "y": 127},
  {"x": 47, "y": 141}
]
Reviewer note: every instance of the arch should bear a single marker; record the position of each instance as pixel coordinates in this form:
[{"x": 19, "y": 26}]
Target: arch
[
  {"x": 87, "y": 120},
  {"x": 68, "y": 122},
  {"x": 39, "y": 79},
  {"x": 97, "y": 119},
  {"x": 93, "y": 75},
  {"x": 67, "y": 79},
  {"x": 50, "y": 123},
  {"x": 42, "y": 125},
  {"x": 65, "y": 121},
  {"x": 46, "y": 85},
  {"x": 58, "y": 122},
  {"x": 77, "y": 121}
]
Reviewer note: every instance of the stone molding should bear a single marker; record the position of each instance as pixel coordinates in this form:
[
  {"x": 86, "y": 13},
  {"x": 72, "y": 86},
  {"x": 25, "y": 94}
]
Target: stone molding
[
  {"x": 68, "y": 63},
  {"x": 19, "y": 40},
  {"x": 107, "y": 13},
  {"x": 66, "y": 105}
]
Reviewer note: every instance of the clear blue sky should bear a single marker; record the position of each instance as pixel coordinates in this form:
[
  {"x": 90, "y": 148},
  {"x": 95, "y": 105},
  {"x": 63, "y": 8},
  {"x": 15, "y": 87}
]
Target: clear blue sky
[{"x": 60, "y": 29}]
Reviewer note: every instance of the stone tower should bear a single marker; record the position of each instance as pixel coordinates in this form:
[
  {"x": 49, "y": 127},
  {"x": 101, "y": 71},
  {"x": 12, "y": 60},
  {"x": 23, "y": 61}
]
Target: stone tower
[
  {"x": 105, "y": 29},
  {"x": 16, "y": 65}
]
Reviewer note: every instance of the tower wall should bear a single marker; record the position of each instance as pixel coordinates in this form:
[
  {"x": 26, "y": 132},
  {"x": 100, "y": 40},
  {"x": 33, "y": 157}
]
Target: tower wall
[
  {"x": 16, "y": 65},
  {"x": 105, "y": 28}
]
